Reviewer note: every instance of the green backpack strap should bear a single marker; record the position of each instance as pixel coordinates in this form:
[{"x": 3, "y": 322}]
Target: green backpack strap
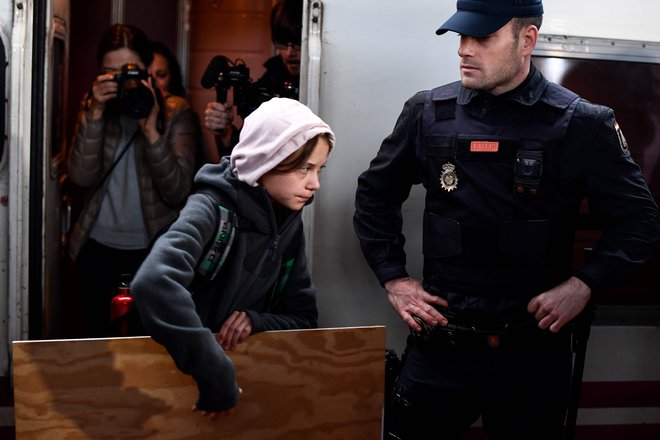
[{"x": 218, "y": 249}]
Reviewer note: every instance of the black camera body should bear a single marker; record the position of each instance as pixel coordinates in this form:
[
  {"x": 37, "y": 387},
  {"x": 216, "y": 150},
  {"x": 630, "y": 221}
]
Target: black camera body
[
  {"x": 135, "y": 99},
  {"x": 223, "y": 74}
]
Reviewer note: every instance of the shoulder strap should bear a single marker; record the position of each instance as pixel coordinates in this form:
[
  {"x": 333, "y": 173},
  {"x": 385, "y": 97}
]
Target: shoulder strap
[
  {"x": 114, "y": 164},
  {"x": 217, "y": 250}
]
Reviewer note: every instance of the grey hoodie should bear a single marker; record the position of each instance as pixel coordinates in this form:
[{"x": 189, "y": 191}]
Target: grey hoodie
[{"x": 184, "y": 322}]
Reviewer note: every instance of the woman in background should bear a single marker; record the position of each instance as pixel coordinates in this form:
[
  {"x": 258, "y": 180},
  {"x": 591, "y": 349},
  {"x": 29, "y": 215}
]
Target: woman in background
[{"x": 166, "y": 71}]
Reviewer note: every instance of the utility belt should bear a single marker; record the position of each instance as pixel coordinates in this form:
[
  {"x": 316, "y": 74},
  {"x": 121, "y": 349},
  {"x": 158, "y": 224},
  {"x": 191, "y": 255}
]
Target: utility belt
[{"x": 472, "y": 335}]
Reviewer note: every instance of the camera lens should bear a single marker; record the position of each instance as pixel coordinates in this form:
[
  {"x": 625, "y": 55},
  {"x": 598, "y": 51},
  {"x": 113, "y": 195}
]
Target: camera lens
[{"x": 135, "y": 99}]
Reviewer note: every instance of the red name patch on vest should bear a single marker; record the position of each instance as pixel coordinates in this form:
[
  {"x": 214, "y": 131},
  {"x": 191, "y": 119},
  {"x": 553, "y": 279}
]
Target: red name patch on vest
[{"x": 484, "y": 146}]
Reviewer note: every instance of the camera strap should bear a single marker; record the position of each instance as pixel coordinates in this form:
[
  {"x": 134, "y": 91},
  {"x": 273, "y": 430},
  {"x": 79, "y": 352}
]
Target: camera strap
[{"x": 114, "y": 164}]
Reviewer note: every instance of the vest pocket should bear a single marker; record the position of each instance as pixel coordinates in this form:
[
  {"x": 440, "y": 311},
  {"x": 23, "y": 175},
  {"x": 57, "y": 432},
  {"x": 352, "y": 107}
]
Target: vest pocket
[
  {"x": 527, "y": 241},
  {"x": 442, "y": 236}
]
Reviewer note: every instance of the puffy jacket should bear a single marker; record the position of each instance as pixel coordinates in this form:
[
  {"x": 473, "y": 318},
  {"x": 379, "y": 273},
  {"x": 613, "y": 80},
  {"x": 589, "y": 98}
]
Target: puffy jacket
[{"x": 165, "y": 169}]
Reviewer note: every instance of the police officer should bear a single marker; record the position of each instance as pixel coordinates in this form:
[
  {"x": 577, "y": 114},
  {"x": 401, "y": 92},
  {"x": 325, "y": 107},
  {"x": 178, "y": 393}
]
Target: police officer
[{"x": 505, "y": 157}]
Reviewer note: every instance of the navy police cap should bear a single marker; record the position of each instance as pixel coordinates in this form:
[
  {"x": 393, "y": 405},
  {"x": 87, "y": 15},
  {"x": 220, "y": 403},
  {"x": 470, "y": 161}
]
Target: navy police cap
[{"x": 479, "y": 18}]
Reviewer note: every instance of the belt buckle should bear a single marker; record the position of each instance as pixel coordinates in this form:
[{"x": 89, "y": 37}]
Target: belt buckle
[{"x": 493, "y": 340}]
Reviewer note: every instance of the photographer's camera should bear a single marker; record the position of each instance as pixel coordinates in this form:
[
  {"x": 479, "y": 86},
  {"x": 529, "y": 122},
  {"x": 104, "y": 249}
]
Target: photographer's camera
[
  {"x": 223, "y": 74},
  {"x": 135, "y": 99}
]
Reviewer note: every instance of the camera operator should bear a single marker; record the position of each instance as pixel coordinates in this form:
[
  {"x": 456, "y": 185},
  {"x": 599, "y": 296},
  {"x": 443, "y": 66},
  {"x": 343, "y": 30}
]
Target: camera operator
[
  {"x": 283, "y": 68},
  {"x": 134, "y": 156}
]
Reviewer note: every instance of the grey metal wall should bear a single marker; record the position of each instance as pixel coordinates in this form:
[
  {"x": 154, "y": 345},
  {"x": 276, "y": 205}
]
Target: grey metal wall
[{"x": 375, "y": 55}]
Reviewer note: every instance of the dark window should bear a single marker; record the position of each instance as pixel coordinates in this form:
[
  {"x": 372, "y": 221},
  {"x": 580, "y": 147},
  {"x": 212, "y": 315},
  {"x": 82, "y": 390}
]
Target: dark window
[{"x": 632, "y": 90}]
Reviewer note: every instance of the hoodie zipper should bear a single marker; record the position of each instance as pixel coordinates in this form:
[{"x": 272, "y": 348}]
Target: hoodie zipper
[{"x": 270, "y": 251}]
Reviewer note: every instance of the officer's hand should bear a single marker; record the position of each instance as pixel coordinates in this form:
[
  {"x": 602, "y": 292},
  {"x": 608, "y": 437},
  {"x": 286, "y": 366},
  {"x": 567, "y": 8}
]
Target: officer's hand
[
  {"x": 218, "y": 116},
  {"x": 558, "y": 306},
  {"x": 234, "y": 330},
  {"x": 408, "y": 298}
]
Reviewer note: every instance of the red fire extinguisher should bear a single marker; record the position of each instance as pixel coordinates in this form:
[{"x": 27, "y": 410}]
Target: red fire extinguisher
[{"x": 122, "y": 305}]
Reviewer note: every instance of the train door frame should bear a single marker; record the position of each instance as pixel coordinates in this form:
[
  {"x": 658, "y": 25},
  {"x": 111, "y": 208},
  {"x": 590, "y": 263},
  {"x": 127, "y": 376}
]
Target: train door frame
[
  {"x": 29, "y": 92},
  {"x": 56, "y": 214},
  {"x": 5, "y": 14},
  {"x": 18, "y": 160},
  {"x": 36, "y": 179}
]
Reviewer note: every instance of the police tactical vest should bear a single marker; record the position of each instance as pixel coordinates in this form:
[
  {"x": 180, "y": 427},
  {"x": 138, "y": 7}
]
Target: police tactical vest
[{"x": 497, "y": 221}]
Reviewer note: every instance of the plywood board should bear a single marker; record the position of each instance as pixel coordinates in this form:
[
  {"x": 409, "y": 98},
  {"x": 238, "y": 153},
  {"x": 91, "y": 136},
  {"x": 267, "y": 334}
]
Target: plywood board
[{"x": 306, "y": 384}]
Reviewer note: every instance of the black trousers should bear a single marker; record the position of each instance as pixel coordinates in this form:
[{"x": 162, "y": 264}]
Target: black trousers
[
  {"x": 100, "y": 269},
  {"x": 520, "y": 390}
]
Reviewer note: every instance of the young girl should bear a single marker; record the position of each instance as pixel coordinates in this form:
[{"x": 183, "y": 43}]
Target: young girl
[{"x": 263, "y": 284}]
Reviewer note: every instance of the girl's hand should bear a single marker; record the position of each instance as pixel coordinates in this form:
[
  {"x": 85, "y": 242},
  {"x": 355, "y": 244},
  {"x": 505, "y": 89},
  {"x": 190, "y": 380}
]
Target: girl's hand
[
  {"x": 213, "y": 415},
  {"x": 235, "y": 329}
]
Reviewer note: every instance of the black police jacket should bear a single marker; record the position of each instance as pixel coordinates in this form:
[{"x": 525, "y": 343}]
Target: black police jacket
[{"x": 505, "y": 177}]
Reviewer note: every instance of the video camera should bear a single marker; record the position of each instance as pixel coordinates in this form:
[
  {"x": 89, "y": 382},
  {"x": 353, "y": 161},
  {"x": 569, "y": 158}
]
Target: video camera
[
  {"x": 223, "y": 74},
  {"x": 135, "y": 99}
]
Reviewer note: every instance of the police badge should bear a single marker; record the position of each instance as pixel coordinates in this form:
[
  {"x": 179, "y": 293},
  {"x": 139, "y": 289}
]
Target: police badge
[{"x": 448, "y": 178}]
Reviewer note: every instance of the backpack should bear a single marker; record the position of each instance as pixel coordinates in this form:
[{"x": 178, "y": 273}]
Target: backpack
[{"x": 218, "y": 248}]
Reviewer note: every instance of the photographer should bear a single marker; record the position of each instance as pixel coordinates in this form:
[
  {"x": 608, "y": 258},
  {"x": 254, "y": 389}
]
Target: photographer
[
  {"x": 134, "y": 155},
  {"x": 283, "y": 68}
]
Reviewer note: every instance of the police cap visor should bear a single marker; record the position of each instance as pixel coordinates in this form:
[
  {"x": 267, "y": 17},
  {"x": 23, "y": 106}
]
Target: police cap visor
[{"x": 479, "y": 18}]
